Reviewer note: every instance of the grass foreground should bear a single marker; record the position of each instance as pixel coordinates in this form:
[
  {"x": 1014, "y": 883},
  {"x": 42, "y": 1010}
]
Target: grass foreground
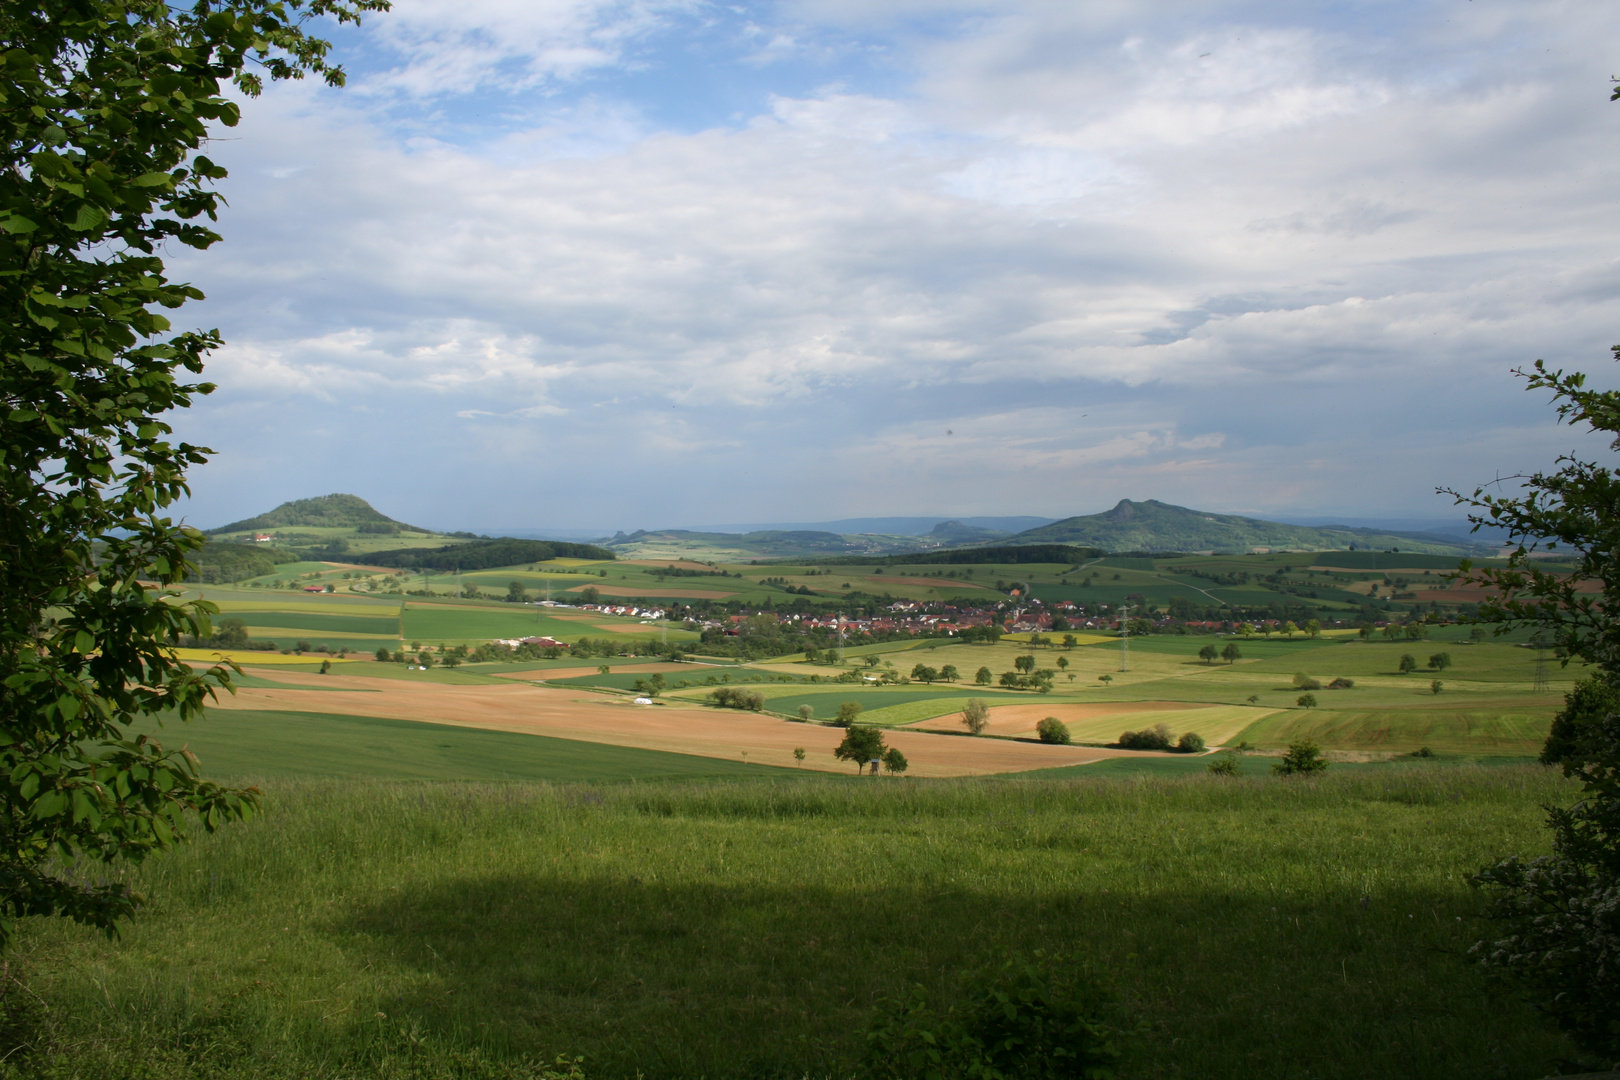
[{"x": 1258, "y": 927}]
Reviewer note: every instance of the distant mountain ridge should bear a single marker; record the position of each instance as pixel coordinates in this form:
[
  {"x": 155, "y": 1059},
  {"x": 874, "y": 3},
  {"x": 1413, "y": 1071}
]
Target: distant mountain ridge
[
  {"x": 1151, "y": 525},
  {"x": 323, "y": 511}
]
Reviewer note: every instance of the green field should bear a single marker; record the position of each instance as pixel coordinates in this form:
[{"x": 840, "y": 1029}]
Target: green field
[
  {"x": 1256, "y": 928},
  {"x": 270, "y": 745}
]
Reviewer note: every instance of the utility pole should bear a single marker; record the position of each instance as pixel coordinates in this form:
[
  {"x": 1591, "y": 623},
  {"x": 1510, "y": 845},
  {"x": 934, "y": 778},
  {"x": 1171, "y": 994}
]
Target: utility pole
[{"x": 1125, "y": 638}]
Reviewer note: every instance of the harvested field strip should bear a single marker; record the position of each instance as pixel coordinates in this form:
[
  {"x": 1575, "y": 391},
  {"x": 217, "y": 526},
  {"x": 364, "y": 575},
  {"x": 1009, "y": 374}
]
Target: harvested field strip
[
  {"x": 1098, "y": 723},
  {"x": 715, "y": 733}
]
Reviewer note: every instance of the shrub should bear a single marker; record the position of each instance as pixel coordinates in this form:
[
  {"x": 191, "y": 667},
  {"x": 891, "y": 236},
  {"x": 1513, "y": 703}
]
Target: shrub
[
  {"x": 1224, "y": 765},
  {"x": 1032, "y": 1020},
  {"x": 806, "y": 712},
  {"x": 1190, "y": 743},
  {"x": 847, "y": 712},
  {"x": 1303, "y": 681},
  {"x": 976, "y": 716},
  {"x": 894, "y": 762},
  {"x": 1341, "y": 683},
  {"x": 1423, "y": 751},
  {"x": 1435, "y": 686},
  {"x": 732, "y": 697},
  {"x": 1303, "y": 756},
  {"x": 1155, "y": 738},
  {"x": 1053, "y": 730}
]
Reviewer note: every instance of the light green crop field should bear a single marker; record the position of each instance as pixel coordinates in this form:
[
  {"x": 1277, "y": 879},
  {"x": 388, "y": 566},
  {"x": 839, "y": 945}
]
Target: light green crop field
[{"x": 1258, "y": 928}]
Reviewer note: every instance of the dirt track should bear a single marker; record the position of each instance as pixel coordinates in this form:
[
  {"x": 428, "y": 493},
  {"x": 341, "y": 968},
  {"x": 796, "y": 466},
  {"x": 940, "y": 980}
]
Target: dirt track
[{"x": 567, "y": 714}]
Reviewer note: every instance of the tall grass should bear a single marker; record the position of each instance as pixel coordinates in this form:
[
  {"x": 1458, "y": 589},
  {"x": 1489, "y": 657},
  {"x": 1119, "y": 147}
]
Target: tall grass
[{"x": 1259, "y": 927}]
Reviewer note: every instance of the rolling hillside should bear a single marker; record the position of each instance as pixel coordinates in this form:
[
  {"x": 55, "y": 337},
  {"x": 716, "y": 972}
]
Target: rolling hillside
[
  {"x": 324, "y": 511},
  {"x": 1155, "y": 526}
]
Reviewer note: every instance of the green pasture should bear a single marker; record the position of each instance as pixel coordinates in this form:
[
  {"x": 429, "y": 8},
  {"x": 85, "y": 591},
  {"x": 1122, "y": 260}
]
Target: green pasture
[
  {"x": 270, "y": 745},
  {"x": 1455, "y": 730},
  {"x": 317, "y": 621},
  {"x": 1257, "y": 928},
  {"x": 874, "y": 702}
]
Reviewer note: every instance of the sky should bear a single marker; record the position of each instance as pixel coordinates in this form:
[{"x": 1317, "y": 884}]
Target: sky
[{"x": 619, "y": 264}]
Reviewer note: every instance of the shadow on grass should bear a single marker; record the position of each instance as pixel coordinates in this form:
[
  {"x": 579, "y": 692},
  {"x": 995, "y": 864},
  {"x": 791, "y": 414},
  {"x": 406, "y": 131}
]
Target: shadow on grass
[{"x": 684, "y": 980}]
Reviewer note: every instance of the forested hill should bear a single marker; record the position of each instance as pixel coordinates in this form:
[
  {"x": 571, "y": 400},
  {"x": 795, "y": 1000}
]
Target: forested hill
[
  {"x": 1155, "y": 526},
  {"x": 324, "y": 511},
  {"x": 486, "y": 554}
]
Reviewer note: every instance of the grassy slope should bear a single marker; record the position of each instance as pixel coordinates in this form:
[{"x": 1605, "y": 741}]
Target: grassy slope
[{"x": 1261, "y": 928}]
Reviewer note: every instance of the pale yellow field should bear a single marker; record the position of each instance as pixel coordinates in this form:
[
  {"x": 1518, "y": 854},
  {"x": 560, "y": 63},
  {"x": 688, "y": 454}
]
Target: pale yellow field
[{"x": 248, "y": 656}]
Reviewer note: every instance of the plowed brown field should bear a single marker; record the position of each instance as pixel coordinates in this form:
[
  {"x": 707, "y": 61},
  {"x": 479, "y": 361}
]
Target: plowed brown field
[{"x": 565, "y": 714}]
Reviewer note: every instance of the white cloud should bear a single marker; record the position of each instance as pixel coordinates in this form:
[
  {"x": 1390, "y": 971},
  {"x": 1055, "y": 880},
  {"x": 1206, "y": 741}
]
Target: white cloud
[{"x": 1314, "y": 232}]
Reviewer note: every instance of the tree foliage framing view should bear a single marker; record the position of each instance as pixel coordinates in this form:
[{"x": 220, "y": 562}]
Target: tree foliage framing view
[
  {"x": 1561, "y": 912},
  {"x": 105, "y": 105}
]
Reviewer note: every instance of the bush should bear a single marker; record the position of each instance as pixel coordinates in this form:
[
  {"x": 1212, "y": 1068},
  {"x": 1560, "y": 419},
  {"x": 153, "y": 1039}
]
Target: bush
[
  {"x": 1155, "y": 738},
  {"x": 894, "y": 762},
  {"x": 1224, "y": 765},
  {"x": 1036, "y": 1020},
  {"x": 847, "y": 712},
  {"x": 976, "y": 716},
  {"x": 1053, "y": 730},
  {"x": 1341, "y": 683},
  {"x": 731, "y": 697},
  {"x": 1303, "y": 681},
  {"x": 806, "y": 712},
  {"x": 1303, "y": 756},
  {"x": 1190, "y": 743}
]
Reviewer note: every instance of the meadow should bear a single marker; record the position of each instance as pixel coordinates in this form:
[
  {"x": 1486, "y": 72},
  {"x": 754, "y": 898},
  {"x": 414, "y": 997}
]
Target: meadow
[{"x": 1249, "y": 927}]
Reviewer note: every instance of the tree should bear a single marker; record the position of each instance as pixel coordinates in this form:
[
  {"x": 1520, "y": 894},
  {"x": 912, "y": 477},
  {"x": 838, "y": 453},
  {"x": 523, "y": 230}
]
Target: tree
[
  {"x": 1439, "y": 661},
  {"x": 1245, "y": 630},
  {"x": 983, "y": 676},
  {"x": 1231, "y": 654},
  {"x": 1408, "y": 664},
  {"x": 1435, "y": 686},
  {"x": 1024, "y": 664},
  {"x": 1303, "y": 756},
  {"x": 326, "y": 667},
  {"x": 976, "y": 715},
  {"x": 1290, "y": 629},
  {"x": 1063, "y": 663},
  {"x": 603, "y": 669},
  {"x": 1069, "y": 640},
  {"x": 104, "y": 109},
  {"x": 798, "y": 754},
  {"x": 1105, "y": 679},
  {"x": 894, "y": 762},
  {"x": 847, "y": 712},
  {"x": 924, "y": 673},
  {"x": 1208, "y": 654},
  {"x": 383, "y": 655},
  {"x": 860, "y": 745},
  {"x": 1313, "y": 628},
  {"x": 1190, "y": 743},
  {"x": 1053, "y": 730},
  {"x": 516, "y": 593},
  {"x": 590, "y": 594},
  {"x": 806, "y": 712},
  {"x": 1306, "y": 701},
  {"x": 1559, "y": 911}
]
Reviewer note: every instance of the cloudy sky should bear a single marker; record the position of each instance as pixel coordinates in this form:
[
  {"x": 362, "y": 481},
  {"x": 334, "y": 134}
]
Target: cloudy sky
[{"x": 604, "y": 264}]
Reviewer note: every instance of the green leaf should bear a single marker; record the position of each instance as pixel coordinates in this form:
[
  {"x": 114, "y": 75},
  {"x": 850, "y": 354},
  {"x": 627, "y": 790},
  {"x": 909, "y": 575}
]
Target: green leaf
[
  {"x": 16, "y": 223},
  {"x": 88, "y": 217}
]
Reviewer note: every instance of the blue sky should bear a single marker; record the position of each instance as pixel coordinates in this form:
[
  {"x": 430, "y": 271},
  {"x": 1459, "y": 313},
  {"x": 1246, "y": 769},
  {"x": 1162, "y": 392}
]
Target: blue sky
[{"x": 569, "y": 264}]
